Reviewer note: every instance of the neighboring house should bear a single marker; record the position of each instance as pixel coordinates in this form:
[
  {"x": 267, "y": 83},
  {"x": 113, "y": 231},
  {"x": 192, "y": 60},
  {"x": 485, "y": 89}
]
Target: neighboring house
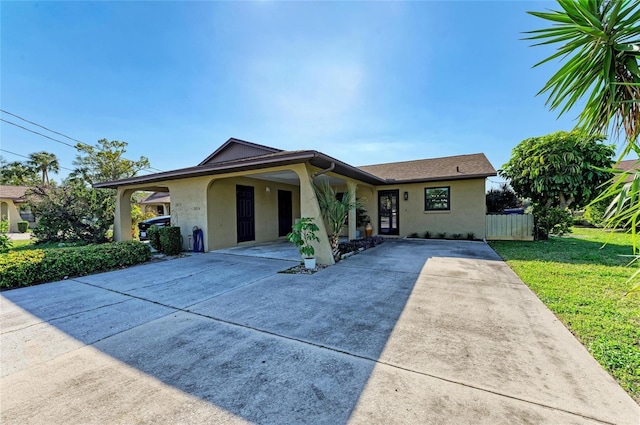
[
  {"x": 631, "y": 165},
  {"x": 248, "y": 193},
  {"x": 10, "y": 199},
  {"x": 158, "y": 203}
]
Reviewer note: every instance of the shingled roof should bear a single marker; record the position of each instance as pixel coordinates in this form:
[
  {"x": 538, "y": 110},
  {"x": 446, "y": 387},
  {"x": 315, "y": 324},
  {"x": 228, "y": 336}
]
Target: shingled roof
[
  {"x": 447, "y": 168},
  {"x": 15, "y": 193},
  {"x": 239, "y": 155},
  {"x": 157, "y": 198}
]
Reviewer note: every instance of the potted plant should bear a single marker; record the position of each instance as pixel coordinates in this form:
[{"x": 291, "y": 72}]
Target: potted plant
[{"x": 302, "y": 234}]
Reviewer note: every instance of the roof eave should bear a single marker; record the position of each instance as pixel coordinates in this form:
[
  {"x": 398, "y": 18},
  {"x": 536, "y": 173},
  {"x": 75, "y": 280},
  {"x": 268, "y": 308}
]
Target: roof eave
[
  {"x": 442, "y": 178},
  {"x": 213, "y": 169}
]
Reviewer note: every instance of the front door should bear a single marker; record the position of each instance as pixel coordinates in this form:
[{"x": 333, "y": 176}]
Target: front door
[
  {"x": 285, "y": 212},
  {"x": 245, "y": 209},
  {"x": 388, "y": 212}
]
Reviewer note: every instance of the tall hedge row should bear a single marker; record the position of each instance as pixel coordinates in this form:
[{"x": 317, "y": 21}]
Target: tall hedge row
[{"x": 29, "y": 267}]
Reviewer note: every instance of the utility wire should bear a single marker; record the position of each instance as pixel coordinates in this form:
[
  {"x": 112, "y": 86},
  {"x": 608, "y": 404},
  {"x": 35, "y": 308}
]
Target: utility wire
[
  {"x": 42, "y": 126},
  {"x": 23, "y": 156},
  {"x": 53, "y": 131},
  {"x": 40, "y": 134}
]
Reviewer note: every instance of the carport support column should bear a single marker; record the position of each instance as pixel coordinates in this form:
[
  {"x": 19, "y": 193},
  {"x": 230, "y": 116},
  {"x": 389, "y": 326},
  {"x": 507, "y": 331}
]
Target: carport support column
[
  {"x": 122, "y": 219},
  {"x": 309, "y": 208},
  {"x": 351, "y": 188}
]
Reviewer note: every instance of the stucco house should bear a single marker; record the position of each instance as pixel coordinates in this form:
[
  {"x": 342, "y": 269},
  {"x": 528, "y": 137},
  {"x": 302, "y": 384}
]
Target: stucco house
[
  {"x": 10, "y": 199},
  {"x": 250, "y": 193},
  {"x": 158, "y": 203}
]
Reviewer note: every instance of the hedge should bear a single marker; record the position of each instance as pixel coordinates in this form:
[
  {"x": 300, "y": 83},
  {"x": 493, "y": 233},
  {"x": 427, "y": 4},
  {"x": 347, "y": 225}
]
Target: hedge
[
  {"x": 170, "y": 240},
  {"x": 153, "y": 233},
  {"x": 29, "y": 267},
  {"x": 23, "y": 226}
]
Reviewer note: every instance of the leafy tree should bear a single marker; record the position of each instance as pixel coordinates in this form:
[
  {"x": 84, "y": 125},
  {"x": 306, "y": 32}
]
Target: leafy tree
[
  {"x": 44, "y": 162},
  {"x": 75, "y": 211},
  {"x": 18, "y": 174},
  {"x": 502, "y": 198},
  {"x": 106, "y": 162},
  {"x": 561, "y": 170}
]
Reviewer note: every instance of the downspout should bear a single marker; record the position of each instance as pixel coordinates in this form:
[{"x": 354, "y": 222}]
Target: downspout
[{"x": 321, "y": 172}]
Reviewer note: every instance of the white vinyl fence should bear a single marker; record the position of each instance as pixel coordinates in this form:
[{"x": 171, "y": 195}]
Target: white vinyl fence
[{"x": 509, "y": 227}]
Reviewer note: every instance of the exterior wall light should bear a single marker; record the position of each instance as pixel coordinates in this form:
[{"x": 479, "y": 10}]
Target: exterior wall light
[{"x": 406, "y": 196}]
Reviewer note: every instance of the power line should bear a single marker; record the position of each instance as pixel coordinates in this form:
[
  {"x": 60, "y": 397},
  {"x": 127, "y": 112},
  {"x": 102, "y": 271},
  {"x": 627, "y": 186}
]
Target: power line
[
  {"x": 40, "y": 134},
  {"x": 55, "y": 132},
  {"x": 42, "y": 126},
  {"x": 23, "y": 156}
]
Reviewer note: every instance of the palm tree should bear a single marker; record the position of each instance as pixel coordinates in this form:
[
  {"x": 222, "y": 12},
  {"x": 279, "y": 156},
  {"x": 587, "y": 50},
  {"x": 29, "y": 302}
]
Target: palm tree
[
  {"x": 601, "y": 38},
  {"x": 44, "y": 162},
  {"x": 335, "y": 212}
]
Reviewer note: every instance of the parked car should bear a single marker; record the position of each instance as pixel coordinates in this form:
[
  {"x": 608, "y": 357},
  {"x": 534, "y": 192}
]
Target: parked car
[{"x": 163, "y": 220}]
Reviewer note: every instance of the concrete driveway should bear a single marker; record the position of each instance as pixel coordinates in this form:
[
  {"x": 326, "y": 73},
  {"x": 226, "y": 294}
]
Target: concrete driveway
[{"x": 410, "y": 332}]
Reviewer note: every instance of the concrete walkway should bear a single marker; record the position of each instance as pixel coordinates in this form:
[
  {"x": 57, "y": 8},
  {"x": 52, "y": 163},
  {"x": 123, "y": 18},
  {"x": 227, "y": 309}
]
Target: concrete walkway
[{"x": 408, "y": 332}]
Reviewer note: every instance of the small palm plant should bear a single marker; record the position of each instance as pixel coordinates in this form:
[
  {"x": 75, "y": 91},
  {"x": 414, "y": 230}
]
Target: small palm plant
[
  {"x": 335, "y": 212},
  {"x": 302, "y": 234}
]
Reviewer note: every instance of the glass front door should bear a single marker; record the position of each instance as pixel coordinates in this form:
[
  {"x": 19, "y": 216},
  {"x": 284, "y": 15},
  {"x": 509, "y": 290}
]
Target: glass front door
[{"x": 388, "y": 214}]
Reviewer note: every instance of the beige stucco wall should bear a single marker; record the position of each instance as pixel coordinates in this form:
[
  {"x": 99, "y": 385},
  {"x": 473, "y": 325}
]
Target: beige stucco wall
[
  {"x": 209, "y": 202},
  {"x": 13, "y": 215},
  {"x": 467, "y": 213},
  {"x": 222, "y": 209}
]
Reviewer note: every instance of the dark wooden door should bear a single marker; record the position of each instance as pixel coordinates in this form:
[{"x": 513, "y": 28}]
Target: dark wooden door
[
  {"x": 245, "y": 209},
  {"x": 285, "y": 212},
  {"x": 388, "y": 212}
]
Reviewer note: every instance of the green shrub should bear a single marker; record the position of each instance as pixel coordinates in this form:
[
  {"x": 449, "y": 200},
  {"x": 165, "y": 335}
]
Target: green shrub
[
  {"x": 442, "y": 235},
  {"x": 551, "y": 220},
  {"x": 23, "y": 226},
  {"x": 427, "y": 235},
  {"x": 153, "y": 233},
  {"x": 28, "y": 267},
  {"x": 4, "y": 226},
  {"x": 456, "y": 236},
  {"x": 5, "y": 243},
  {"x": 471, "y": 236},
  {"x": 413, "y": 235},
  {"x": 594, "y": 213},
  {"x": 170, "y": 240}
]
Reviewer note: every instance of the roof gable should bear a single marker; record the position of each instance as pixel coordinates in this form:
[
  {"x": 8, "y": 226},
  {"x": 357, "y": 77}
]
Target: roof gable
[{"x": 234, "y": 149}]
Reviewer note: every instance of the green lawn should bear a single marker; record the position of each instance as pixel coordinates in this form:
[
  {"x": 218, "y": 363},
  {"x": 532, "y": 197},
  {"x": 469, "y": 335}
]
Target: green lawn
[
  {"x": 584, "y": 284},
  {"x": 20, "y": 244}
]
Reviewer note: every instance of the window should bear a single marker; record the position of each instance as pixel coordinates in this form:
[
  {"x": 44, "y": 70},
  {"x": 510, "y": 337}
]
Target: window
[{"x": 436, "y": 199}]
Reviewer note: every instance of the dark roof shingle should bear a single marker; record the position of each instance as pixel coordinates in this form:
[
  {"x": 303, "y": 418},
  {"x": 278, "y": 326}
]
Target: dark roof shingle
[
  {"x": 450, "y": 167},
  {"x": 15, "y": 193}
]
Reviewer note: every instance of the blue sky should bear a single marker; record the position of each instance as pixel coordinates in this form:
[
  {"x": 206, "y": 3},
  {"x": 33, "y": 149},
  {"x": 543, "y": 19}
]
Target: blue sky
[{"x": 365, "y": 82}]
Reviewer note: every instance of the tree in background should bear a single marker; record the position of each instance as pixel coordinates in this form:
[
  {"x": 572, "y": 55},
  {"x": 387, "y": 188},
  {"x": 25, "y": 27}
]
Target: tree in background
[
  {"x": 558, "y": 171},
  {"x": 17, "y": 173},
  {"x": 44, "y": 162},
  {"x": 72, "y": 212},
  {"x": 106, "y": 162},
  {"x": 76, "y": 211},
  {"x": 501, "y": 199}
]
